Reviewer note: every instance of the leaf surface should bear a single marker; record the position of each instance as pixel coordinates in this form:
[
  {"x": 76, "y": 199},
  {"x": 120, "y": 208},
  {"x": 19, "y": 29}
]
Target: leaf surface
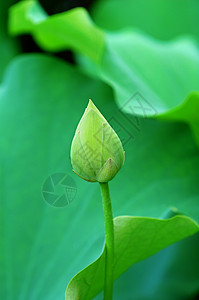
[
  {"x": 149, "y": 77},
  {"x": 38, "y": 117},
  {"x": 162, "y": 19},
  {"x": 73, "y": 29},
  {"x": 136, "y": 238}
]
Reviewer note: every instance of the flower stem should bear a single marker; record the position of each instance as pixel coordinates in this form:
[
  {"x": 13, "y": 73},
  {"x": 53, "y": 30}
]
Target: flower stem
[{"x": 109, "y": 241}]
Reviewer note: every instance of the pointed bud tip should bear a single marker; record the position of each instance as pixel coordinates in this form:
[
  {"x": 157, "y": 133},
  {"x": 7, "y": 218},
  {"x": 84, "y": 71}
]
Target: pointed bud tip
[
  {"x": 92, "y": 106},
  {"x": 90, "y": 101}
]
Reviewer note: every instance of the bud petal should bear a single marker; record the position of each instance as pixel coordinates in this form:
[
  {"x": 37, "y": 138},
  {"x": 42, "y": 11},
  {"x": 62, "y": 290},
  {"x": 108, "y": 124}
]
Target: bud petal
[{"x": 96, "y": 151}]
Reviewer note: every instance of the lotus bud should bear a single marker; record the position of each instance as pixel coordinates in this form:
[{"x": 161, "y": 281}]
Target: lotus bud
[{"x": 96, "y": 151}]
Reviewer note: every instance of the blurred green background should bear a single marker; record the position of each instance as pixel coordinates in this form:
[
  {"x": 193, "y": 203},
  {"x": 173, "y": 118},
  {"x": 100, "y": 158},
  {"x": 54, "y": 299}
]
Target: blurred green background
[{"x": 42, "y": 97}]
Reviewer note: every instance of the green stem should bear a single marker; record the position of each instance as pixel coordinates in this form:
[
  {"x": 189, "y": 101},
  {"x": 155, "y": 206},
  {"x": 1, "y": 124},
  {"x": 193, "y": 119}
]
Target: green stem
[{"x": 109, "y": 241}]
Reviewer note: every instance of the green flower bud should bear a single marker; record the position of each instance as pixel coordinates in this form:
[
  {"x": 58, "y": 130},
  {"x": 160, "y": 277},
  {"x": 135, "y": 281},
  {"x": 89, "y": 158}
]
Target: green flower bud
[{"x": 96, "y": 151}]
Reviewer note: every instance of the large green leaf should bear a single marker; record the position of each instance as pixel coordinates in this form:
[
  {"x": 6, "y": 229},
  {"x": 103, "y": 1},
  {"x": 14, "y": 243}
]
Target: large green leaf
[
  {"x": 162, "y": 19},
  {"x": 73, "y": 29},
  {"x": 42, "y": 248},
  {"x": 136, "y": 238},
  {"x": 164, "y": 75},
  {"x": 152, "y": 78}
]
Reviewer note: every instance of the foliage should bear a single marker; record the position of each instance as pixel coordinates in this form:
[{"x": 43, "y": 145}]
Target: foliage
[{"x": 155, "y": 196}]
